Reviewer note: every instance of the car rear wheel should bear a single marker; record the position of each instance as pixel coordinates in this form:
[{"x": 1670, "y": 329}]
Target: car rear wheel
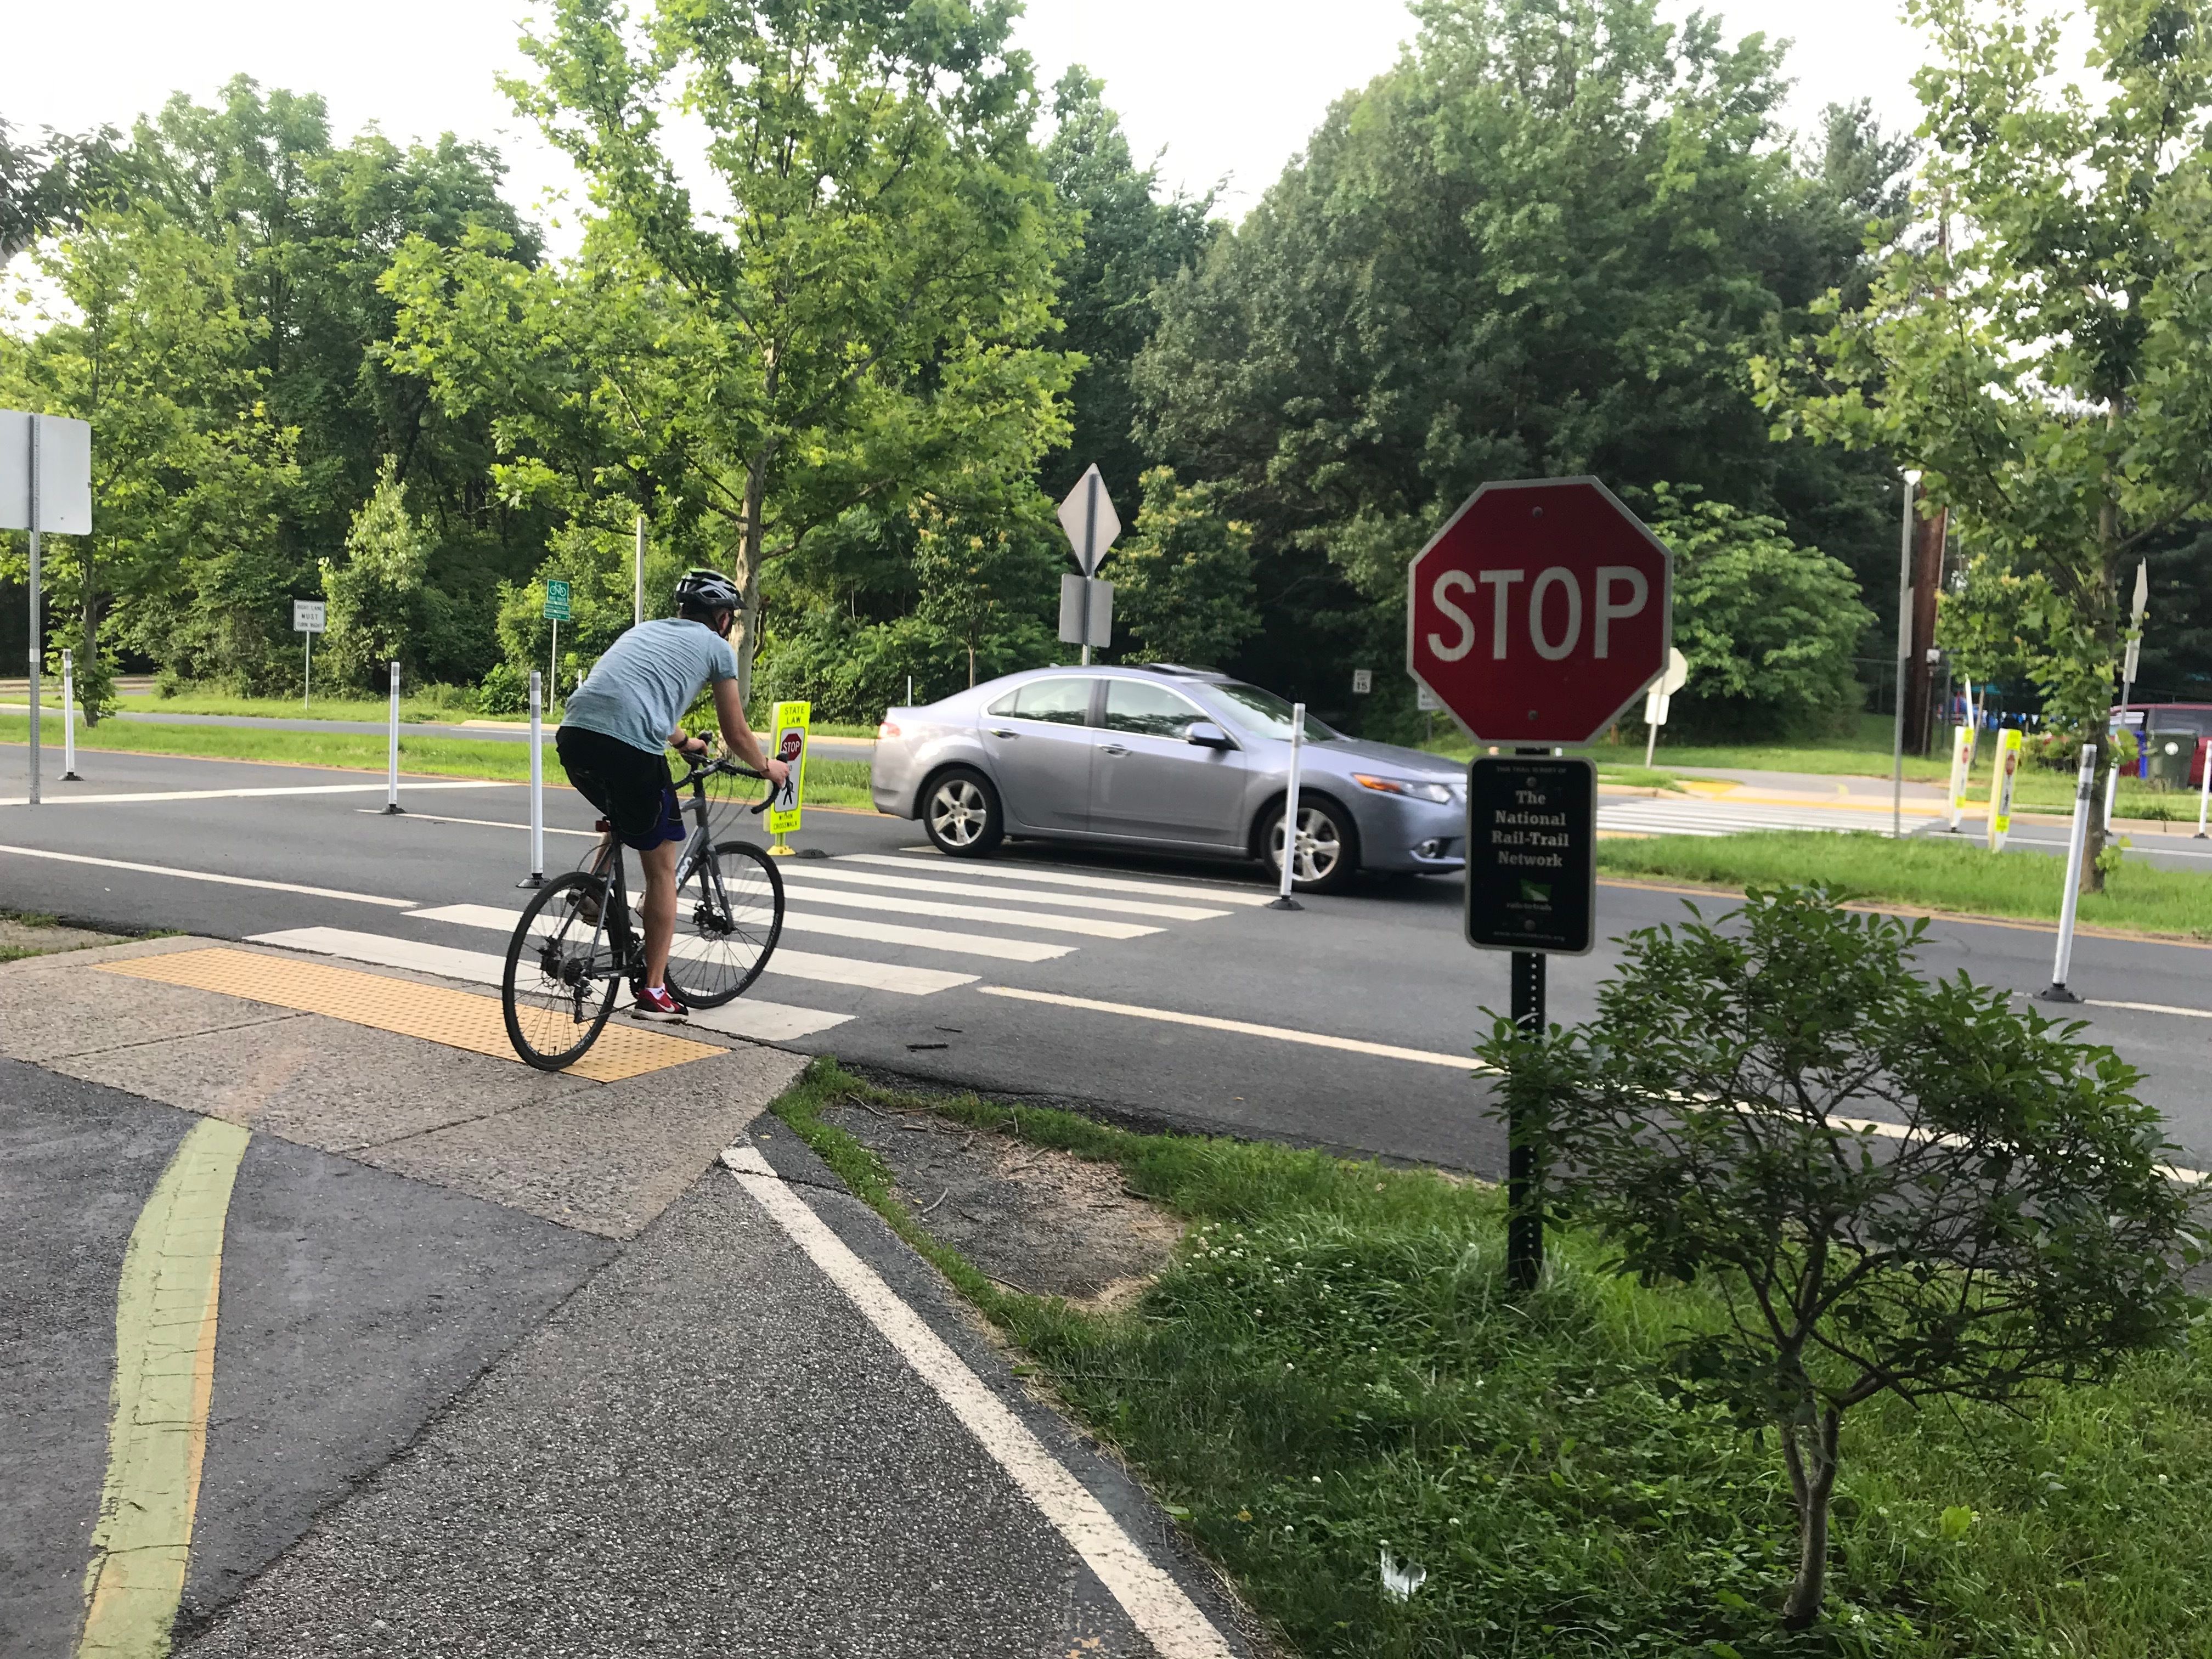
[
  {"x": 1327, "y": 853},
  {"x": 961, "y": 814}
]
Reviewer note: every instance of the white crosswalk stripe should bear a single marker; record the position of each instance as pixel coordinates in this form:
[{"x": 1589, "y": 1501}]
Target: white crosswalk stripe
[
  {"x": 805, "y": 893},
  {"x": 1025, "y": 900},
  {"x": 983, "y": 890},
  {"x": 792, "y": 964},
  {"x": 914, "y": 859}
]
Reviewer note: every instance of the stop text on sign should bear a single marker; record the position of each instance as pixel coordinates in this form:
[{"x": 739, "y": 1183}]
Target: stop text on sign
[
  {"x": 1539, "y": 612},
  {"x": 1553, "y": 613}
]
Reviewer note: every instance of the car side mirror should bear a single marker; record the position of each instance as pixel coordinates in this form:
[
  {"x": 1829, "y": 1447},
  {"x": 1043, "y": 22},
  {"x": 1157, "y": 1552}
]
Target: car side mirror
[{"x": 1206, "y": 735}]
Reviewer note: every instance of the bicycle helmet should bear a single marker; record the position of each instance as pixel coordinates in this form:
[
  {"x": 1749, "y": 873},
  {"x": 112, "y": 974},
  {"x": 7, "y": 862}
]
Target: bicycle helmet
[{"x": 702, "y": 593}]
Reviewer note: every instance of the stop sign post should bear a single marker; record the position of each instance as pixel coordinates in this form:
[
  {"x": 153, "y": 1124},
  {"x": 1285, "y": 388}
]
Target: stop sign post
[{"x": 1537, "y": 616}]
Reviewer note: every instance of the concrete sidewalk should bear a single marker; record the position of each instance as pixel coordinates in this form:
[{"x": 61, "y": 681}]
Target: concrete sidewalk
[{"x": 509, "y": 1364}]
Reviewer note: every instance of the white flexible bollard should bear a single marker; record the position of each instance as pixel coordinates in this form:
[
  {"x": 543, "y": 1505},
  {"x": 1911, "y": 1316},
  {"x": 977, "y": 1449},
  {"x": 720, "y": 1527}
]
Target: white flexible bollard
[
  {"x": 1282, "y": 899},
  {"x": 536, "y": 877},
  {"x": 69, "y": 719},
  {"x": 2085, "y": 793},
  {"x": 392, "y": 758},
  {"x": 2205, "y": 789}
]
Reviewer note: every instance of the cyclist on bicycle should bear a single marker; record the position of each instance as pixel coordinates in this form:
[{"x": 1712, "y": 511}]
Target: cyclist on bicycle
[{"x": 614, "y": 738}]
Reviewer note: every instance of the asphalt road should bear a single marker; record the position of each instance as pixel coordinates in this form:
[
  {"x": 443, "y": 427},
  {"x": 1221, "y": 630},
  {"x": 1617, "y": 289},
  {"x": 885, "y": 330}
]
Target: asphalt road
[{"x": 1206, "y": 1013}]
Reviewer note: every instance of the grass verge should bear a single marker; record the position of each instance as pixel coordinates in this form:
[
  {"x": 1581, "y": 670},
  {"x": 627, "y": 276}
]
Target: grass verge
[
  {"x": 1960, "y": 877},
  {"x": 1333, "y": 1367},
  {"x": 829, "y": 782},
  {"x": 434, "y": 704}
]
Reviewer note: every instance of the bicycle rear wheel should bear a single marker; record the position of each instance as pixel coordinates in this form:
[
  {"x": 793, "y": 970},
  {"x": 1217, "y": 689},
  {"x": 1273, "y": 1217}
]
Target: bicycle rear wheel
[
  {"x": 556, "y": 992},
  {"x": 729, "y": 915}
]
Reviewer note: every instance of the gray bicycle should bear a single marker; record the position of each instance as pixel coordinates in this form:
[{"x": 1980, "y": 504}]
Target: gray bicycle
[{"x": 578, "y": 940}]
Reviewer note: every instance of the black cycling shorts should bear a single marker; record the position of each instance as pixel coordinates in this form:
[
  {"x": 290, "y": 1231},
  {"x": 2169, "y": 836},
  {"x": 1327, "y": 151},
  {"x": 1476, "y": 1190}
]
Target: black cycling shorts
[{"x": 631, "y": 786}]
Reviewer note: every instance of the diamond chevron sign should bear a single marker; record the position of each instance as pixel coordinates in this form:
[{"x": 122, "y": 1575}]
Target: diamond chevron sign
[{"x": 1539, "y": 612}]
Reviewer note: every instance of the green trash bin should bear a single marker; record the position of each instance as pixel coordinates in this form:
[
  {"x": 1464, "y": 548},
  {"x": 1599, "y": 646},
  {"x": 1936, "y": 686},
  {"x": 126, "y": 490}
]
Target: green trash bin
[{"x": 2171, "y": 753}]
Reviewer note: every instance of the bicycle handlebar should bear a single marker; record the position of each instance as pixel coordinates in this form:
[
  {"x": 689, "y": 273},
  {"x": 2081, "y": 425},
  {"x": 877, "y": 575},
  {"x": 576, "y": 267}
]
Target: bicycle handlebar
[{"x": 728, "y": 767}]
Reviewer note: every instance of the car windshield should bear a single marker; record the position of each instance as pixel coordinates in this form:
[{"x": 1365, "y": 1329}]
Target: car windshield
[{"x": 1263, "y": 713}]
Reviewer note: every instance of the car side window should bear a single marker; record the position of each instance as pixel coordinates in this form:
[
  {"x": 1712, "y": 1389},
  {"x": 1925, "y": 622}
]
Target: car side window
[
  {"x": 1149, "y": 710},
  {"x": 1059, "y": 702}
]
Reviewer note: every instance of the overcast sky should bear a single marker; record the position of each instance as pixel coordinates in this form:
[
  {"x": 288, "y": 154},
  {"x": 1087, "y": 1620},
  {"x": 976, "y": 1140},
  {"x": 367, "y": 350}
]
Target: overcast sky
[{"x": 1227, "y": 88}]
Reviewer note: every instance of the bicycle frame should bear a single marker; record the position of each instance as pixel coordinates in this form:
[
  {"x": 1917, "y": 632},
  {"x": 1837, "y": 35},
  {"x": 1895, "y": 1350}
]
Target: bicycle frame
[{"x": 627, "y": 953}]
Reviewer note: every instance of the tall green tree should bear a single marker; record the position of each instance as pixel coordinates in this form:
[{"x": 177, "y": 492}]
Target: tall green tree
[
  {"x": 1768, "y": 627},
  {"x": 189, "y": 469},
  {"x": 2044, "y": 358},
  {"x": 856, "y": 312},
  {"x": 1541, "y": 244},
  {"x": 46, "y": 183},
  {"x": 374, "y": 590},
  {"x": 310, "y": 226},
  {"x": 1133, "y": 241},
  {"x": 1184, "y": 581}
]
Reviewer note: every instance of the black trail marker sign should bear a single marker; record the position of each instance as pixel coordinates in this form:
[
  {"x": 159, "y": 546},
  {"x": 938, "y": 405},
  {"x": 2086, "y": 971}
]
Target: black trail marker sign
[{"x": 1532, "y": 855}]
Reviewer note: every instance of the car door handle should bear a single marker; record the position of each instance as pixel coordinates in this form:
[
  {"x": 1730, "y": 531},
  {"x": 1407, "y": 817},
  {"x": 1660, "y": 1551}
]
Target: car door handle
[
  {"x": 1004, "y": 732},
  {"x": 1112, "y": 749}
]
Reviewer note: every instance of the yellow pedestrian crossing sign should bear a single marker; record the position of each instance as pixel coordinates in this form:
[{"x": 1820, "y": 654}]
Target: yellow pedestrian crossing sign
[{"x": 789, "y": 722}]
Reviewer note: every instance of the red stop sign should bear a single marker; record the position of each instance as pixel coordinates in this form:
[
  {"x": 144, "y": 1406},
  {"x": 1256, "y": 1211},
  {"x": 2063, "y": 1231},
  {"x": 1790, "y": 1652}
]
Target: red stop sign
[{"x": 1539, "y": 612}]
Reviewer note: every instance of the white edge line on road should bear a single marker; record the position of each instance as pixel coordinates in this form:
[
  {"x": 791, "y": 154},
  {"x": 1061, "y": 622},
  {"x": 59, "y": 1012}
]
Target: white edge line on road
[
  {"x": 251, "y": 795},
  {"x": 204, "y": 875},
  {"x": 1898, "y": 1131},
  {"x": 1177, "y": 1017},
  {"x": 2150, "y": 1008},
  {"x": 1156, "y": 1604}
]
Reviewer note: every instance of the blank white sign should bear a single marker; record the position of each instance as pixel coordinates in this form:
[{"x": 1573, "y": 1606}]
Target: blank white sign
[{"x": 65, "y": 473}]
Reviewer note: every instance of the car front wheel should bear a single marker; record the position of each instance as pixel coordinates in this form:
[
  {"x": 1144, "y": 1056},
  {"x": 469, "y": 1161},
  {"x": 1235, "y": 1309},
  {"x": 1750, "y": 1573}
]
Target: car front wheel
[
  {"x": 1328, "y": 851},
  {"x": 961, "y": 814}
]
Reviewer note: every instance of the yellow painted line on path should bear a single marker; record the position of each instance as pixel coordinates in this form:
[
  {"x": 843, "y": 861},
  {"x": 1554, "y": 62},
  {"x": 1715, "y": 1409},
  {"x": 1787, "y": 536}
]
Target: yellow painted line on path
[
  {"x": 456, "y": 1019},
  {"x": 165, "y": 1325}
]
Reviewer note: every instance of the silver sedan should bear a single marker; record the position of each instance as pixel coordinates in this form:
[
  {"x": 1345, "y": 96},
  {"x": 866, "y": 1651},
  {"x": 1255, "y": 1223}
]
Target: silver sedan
[{"x": 1181, "y": 760}]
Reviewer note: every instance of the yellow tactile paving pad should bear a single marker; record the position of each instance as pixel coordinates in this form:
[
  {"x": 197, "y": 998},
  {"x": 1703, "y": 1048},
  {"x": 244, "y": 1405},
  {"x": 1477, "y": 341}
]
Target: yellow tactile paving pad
[{"x": 454, "y": 1018}]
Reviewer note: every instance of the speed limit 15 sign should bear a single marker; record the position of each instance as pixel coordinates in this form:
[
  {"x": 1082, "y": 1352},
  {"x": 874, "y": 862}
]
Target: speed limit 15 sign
[{"x": 1539, "y": 612}]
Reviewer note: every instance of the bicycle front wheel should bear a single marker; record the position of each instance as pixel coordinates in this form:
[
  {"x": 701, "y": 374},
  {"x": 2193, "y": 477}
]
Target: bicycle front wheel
[
  {"x": 557, "y": 990},
  {"x": 729, "y": 915}
]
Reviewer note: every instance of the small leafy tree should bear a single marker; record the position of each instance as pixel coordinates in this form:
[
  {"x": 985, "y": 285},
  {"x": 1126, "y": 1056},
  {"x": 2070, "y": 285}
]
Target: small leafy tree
[
  {"x": 1769, "y": 627},
  {"x": 1892, "y": 1184},
  {"x": 980, "y": 568},
  {"x": 375, "y": 591},
  {"x": 1183, "y": 583}
]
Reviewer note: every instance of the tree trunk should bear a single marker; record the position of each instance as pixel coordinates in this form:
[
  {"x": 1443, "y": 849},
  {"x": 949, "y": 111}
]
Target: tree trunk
[
  {"x": 745, "y": 634},
  {"x": 1810, "y": 1449}
]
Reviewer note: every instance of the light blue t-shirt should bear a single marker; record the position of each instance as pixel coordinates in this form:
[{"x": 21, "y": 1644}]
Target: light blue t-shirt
[{"x": 638, "y": 691}]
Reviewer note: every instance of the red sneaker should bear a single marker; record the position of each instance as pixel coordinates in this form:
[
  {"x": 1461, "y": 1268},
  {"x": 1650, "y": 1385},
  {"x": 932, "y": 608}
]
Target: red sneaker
[{"x": 654, "y": 1002}]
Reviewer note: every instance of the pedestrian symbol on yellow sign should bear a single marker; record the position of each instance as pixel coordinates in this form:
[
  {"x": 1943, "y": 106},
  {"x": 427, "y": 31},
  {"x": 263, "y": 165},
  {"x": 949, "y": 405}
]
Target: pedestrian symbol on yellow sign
[{"x": 789, "y": 722}]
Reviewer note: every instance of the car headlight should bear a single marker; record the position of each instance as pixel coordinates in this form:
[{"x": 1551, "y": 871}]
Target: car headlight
[{"x": 1439, "y": 792}]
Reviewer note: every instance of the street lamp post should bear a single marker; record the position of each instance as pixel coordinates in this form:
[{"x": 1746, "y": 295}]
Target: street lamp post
[{"x": 1904, "y": 657}]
